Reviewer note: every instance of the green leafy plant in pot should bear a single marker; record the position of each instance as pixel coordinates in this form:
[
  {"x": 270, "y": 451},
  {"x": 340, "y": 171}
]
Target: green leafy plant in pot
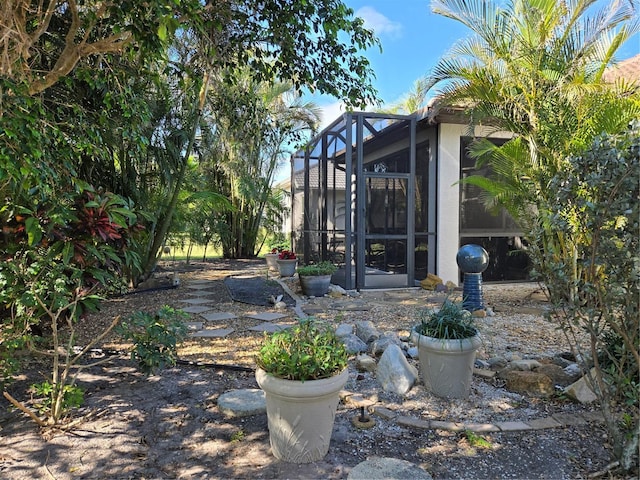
[
  {"x": 447, "y": 340},
  {"x": 302, "y": 370},
  {"x": 315, "y": 279}
]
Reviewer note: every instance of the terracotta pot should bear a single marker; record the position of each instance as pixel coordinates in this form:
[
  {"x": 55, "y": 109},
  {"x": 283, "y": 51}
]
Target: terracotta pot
[
  {"x": 446, "y": 366},
  {"x": 287, "y": 267},
  {"x": 301, "y": 415}
]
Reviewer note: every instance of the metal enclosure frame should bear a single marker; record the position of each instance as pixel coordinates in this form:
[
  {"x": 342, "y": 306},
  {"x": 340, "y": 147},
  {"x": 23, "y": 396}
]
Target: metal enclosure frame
[{"x": 360, "y": 157}]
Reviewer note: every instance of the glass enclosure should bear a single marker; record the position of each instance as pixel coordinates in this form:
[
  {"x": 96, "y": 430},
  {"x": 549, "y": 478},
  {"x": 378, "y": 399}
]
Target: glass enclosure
[{"x": 361, "y": 202}]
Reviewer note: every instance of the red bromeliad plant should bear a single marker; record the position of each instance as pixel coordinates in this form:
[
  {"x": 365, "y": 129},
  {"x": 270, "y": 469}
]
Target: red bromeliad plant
[{"x": 287, "y": 255}]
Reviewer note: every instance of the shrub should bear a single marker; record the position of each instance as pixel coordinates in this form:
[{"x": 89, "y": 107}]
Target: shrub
[
  {"x": 307, "y": 351},
  {"x": 450, "y": 322},
  {"x": 322, "y": 268}
]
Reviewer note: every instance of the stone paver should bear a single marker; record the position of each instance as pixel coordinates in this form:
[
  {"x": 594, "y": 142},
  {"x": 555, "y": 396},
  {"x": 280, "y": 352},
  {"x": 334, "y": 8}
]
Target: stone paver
[
  {"x": 266, "y": 316},
  {"x": 384, "y": 413},
  {"x": 481, "y": 427},
  {"x": 196, "y": 301},
  {"x": 513, "y": 426},
  {"x": 214, "y": 333},
  {"x": 196, "y": 309},
  {"x": 413, "y": 422},
  {"x": 451, "y": 426},
  {"x": 218, "y": 316},
  {"x": 542, "y": 423},
  {"x": 569, "y": 419},
  {"x": 270, "y": 327},
  {"x": 200, "y": 293},
  {"x": 242, "y": 403},
  {"x": 195, "y": 325},
  {"x": 198, "y": 286}
]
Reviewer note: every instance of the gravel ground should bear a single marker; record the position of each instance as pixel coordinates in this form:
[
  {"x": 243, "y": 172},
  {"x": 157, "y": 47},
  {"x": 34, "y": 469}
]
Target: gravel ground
[{"x": 169, "y": 426}]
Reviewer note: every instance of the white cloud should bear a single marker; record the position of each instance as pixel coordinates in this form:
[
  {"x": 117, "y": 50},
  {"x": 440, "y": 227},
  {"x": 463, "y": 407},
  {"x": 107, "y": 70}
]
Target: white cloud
[
  {"x": 330, "y": 112},
  {"x": 377, "y": 22}
]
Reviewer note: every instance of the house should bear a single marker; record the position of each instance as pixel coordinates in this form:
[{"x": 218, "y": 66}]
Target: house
[{"x": 380, "y": 196}]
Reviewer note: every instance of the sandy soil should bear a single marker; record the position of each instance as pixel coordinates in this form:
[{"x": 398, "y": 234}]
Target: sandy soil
[{"x": 169, "y": 426}]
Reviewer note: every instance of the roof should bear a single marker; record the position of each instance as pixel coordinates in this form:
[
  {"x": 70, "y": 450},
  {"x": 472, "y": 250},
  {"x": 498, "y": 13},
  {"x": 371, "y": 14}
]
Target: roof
[{"x": 628, "y": 69}]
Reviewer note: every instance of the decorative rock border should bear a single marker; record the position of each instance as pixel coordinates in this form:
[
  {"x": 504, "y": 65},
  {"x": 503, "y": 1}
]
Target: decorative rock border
[
  {"x": 240, "y": 403},
  {"x": 554, "y": 421}
]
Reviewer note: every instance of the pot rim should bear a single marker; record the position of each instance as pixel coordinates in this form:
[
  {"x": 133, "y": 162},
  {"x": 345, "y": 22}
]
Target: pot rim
[
  {"x": 301, "y": 388},
  {"x": 445, "y": 344}
]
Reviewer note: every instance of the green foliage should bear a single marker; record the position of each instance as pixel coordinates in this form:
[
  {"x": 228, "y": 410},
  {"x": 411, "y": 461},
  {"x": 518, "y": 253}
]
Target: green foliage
[
  {"x": 321, "y": 268},
  {"x": 476, "y": 440},
  {"x": 593, "y": 271},
  {"x": 155, "y": 337},
  {"x": 450, "y": 322},
  {"x": 72, "y": 397},
  {"x": 306, "y": 351}
]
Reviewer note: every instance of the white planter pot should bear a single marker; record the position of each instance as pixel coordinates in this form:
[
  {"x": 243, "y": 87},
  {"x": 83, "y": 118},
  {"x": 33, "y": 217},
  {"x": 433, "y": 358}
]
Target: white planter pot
[
  {"x": 271, "y": 261},
  {"x": 446, "y": 366},
  {"x": 301, "y": 415},
  {"x": 315, "y": 285}
]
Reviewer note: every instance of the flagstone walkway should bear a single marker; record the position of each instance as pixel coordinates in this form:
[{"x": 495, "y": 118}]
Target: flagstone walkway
[{"x": 211, "y": 323}]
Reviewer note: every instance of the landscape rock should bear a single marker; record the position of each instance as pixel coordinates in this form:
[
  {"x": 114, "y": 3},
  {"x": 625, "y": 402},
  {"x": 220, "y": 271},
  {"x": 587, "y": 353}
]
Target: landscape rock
[
  {"x": 365, "y": 363},
  {"x": 497, "y": 362},
  {"x": 394, "y": 372},
  {"x": 336, "y": 291},
  {"x": 366, "y": 331},
  {"x": 530, "y": 383},
  {"x": 525, "y": 365},
  {"x": 242, "y": 403},
  {"x": 380, "y": 345},
  {"x": 556, "y": 373},
  {"x": 581, "y": 390},
  {"x": 344, "y": 330},
  {"x": 353, "y": 344},
  {"x": 573, "y": 370},
  {"x": 431, "y": 282}
]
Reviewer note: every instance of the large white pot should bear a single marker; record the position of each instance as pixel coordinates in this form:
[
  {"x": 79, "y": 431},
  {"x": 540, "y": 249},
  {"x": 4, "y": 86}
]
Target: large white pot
[
  {"x": 301, "y": 415},
  {"x": 446, "y": 366},
  {"x": 271, "y": 258}
]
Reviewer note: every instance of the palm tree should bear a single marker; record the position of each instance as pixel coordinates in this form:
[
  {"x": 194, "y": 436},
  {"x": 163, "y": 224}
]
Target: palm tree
[
  {"x": 252, "y": 125},
  {"x": 411, "y": 101},
  {"x": 534, "y": 68}
]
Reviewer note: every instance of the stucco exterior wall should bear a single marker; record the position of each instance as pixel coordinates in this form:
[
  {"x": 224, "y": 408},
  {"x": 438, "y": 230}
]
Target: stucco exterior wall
[{"x": 448, "y": 194}]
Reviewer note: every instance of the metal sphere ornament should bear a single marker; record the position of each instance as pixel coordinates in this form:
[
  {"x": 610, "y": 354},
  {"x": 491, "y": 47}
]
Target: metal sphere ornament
[{"x": 472, "y": 260}]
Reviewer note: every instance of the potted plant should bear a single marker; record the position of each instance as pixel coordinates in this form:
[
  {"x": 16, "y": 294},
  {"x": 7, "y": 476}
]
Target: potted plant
[
  {"x": 316, "y": 278},
  {"x": 301, "y": 371},
  {"x": 447, "y": 340},
  {"x": 271, "y": 258},
  {"x": 287, "y": 262}
]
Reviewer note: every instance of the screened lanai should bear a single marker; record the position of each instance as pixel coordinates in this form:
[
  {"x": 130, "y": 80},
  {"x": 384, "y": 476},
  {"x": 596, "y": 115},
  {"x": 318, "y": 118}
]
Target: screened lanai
[{"x": 360, "y": 200}]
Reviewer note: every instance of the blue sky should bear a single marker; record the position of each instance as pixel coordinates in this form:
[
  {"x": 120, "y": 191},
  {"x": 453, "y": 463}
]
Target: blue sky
[{"x": 413, "y": 39}]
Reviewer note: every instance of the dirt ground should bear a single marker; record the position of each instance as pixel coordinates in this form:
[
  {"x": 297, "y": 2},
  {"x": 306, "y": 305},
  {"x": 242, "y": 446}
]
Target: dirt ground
[{"x": 168, "y": 425}]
